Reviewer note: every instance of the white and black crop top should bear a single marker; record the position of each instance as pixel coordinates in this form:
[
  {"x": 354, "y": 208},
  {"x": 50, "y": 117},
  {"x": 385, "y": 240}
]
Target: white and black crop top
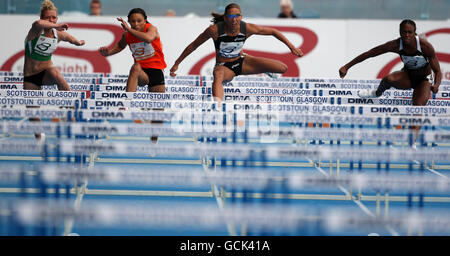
[
  {"x": 230, "y": 46},
  {"x": 413, "y": 61}
]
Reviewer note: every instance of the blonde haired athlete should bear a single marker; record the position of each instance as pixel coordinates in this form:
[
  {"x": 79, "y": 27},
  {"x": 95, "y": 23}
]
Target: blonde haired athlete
[{"x": 40, "y": 43}]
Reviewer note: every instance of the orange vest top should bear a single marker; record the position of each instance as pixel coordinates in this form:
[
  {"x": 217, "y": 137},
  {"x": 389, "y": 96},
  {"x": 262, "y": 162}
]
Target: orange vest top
[{"x": 148, "y": 55}]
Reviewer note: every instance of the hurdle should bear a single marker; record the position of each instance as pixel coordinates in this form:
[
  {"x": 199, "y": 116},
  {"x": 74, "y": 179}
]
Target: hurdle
[{"x": 229, "y": 144}]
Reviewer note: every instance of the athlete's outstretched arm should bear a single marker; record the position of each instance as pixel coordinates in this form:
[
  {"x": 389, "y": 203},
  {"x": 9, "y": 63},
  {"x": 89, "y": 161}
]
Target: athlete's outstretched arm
[
  {"x": 39, "y": 25},
  {"x": 118, "y": 47},
  {"x": 428, "y": 50},
  {"x": 45, "y": 24},
  {"x": 66, "y": 37},
  {"x": 253, "y": 29},
  {"x": 146, "y": 36},
  {"x": 381, "y": 49},
  {"x": 434, "y": 63},
  {"x": 203, "y": 37}
]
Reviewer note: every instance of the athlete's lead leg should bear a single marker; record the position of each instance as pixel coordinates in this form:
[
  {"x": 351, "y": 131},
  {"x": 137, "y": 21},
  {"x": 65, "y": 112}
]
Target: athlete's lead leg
[
  {"x": 221, "y": 74},
  {"x": 420, "y": 97},
  {"x": 398, "y": 80},
  {"x": 258, "y": 65}
]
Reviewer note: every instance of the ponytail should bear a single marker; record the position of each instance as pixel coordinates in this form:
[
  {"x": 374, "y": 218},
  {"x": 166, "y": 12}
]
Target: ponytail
[{"x": 217, "y": 17}]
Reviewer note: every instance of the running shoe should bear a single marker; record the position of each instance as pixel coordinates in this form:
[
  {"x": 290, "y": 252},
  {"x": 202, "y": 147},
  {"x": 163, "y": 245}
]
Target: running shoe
[
  {"x": 40, "y": 137},
  {"x": 367, "y": 93},
  {"x": 41, "y": 142},
  {"x": 272, "y": 75},
  {"x": 154, "y": 139}
]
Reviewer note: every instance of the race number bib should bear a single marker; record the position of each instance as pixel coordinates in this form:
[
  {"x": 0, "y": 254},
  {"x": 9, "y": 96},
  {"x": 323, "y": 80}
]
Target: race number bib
[
  {"x": 231, "y": 49},
  {"x": 414, "y": 62},
  {"x": 45, "y": 46},
  {"x": 142, "y": 50}
]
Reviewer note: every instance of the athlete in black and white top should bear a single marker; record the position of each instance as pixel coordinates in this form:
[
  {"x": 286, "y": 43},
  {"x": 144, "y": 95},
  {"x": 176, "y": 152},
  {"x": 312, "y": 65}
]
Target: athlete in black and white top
[
  {"x": 419, "y": 59},
  {"x": 229, "y": 34}
]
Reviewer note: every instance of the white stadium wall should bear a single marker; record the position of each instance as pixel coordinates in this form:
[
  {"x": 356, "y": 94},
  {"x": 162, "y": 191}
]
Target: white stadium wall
[{"x": 328, "y": 44}]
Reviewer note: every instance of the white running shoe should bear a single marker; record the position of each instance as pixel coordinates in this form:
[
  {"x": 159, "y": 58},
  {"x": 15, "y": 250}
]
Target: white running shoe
[
  {"x": 154, "y": 139},
  {"x": 41, "y": 142},
  {"x": 42, "y": 138},
  {"x": 414, "y": 146},
  {"x": 367, "y": 93},
  {"x": 272, "y": 75}
]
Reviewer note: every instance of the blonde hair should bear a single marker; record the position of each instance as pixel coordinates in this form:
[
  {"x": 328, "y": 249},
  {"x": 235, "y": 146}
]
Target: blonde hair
[
  {"x": 48, "y": 5},
  {"x": 286, "y": 3}
]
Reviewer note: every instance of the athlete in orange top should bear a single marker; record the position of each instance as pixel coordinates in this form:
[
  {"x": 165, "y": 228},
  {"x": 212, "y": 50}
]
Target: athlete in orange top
[{"x": 145, "y": 45}]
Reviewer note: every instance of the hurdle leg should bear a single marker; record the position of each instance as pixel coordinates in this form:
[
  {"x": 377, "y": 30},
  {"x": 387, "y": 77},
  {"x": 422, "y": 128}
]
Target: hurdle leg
[
  {"x": 378, "y": 203},
  {"x": 331, "y": 167},
  {"x": 244, "y": 230},
  {"x": 386, "y": 205},
  {"x": 338, "y": 167}
]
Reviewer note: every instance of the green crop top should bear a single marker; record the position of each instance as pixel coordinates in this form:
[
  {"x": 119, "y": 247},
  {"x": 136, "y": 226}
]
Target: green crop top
[{"x": 41, "y": 48}]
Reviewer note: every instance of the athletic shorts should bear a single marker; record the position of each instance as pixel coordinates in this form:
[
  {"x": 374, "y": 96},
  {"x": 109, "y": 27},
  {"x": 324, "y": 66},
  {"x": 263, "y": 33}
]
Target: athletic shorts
[
  {"x": 415, "y": 79},
  {"x": 37, "y": 79},
  {"x": 235, "y": 66},
  {"x": 155, "y": 76}
]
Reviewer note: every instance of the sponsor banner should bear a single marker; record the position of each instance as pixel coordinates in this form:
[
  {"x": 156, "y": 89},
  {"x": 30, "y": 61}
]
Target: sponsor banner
[
  {"x": 314, "y": 104},
  {"x": 335, "y": 115},
  {"x": 347, "y": 93},
  {"x": 73, "y": 87},
  {"x": 146, "y": 104},
  {"x": 149, "y": 96},
  {"x": 422, "y": 121},
  {"x": 405, "y": 110},
  {"x": 41, "y": 94},
  {"x": 263, "y": 98},
  {"x": 33, "y": 112},
  {"x": 11, "y": 79},
  {"x": 438, "y": 110},
  {"x": 207, "y": 97},
  {"x": 37, "y": 102},
  {"x": 250, "y": 81},
  {"x": 389, "y": 102},
  {"x": 179, "y": 80},
  {"x": 230, "y": 93},
  {"x": 69, "y": 80},
  {"x": 276, "y": 107},
  {"x": 362, "y": 85},
  {"x": 309, "y": 81},
  {"x": 15, "y": 86},
  {"x": 169, "y": 88}
]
